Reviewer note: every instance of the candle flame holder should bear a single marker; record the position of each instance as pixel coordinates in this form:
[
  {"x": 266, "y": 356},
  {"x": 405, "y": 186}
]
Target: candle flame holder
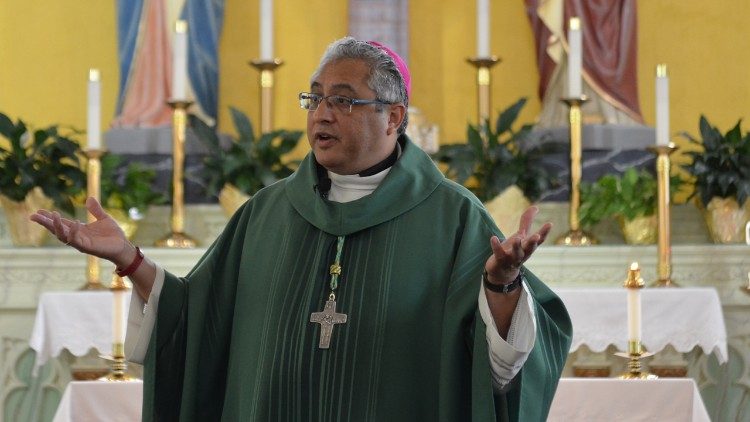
[
  {"x": 177, "y": 237},
  {"x": 93, "y": 188},
  {"x": 575, "y": 236},
  {"x": 484, "y": 83},
  {"x": 118, "y": 366},
  {"x": 664, "y": 247},
  {"x": 266, "y": 69}
]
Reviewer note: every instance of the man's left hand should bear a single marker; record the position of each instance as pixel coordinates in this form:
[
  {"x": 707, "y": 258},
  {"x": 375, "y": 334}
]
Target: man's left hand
[{"x": 508, "y": 256}]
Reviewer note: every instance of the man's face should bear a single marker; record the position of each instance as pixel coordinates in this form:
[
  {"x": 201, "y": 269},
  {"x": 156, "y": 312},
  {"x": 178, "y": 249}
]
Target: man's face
[{"x": 343, "y": 142}]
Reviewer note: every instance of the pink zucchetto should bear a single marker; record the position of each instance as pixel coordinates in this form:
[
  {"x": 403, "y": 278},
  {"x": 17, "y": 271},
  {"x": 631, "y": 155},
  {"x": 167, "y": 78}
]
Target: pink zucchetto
[{"x": 400, "y": 65}]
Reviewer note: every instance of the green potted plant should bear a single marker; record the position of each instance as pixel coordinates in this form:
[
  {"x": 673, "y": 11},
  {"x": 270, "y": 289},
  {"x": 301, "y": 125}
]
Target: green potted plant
[
  {"x": 492, "y": 159},
  {"x": 248, "y": 164},
  {"x": 495, "y": 167},
  {"x": 721, "y": 168},
  {"x": 631, "y": 199},
  {"x": 38, "y": 169},
  {"x": 127, "y": 191}
]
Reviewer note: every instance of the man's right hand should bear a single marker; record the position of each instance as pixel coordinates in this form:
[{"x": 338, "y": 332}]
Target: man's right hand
[{"x": 103, "y": 238}]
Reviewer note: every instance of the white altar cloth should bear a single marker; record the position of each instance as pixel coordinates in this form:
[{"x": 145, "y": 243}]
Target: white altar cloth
[
  {"x": 76, "y": 321},
  {"x": 116, "y": 401},
  {"x": 681, "y": 317},
  {"x": 612, "y": 399}
]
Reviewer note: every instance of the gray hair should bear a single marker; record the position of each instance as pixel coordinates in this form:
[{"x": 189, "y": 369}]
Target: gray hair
[{"x": 385, "y": 79}]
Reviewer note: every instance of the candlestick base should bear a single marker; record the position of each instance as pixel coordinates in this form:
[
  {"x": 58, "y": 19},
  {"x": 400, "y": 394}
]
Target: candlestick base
[
  {"x": 176, "y": 240},
  {"x": 634, "y": 371},
  {"x": 576, "y": 238},
  {"x": 92, "y": 285},
  {"x": 746, "y": 288},
  {"x": 118, "y": 368},
  {"x": 667, "y": 282}
]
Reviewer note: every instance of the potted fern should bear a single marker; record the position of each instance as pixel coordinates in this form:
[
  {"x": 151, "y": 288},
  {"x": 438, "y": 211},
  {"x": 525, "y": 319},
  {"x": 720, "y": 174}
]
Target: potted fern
[
  {"x": 249, "y": 164},
  {"x": 721, "y": 168},
  {"x": 630, "y": 199},
  {"x": 38, "y": 169}
]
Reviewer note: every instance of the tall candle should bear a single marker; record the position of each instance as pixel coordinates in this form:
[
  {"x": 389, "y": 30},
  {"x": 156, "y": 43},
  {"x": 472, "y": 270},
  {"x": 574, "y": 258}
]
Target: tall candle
[
  {"x": 483, "y": 28},
  {"x": 662, "y": 105},
  {"x": 634, "y": 305},
  {"x": 179, "y": 61},
  {"x": 574, "y": 58},
  {"x": 118, "y": 316},
  {"x": 94, "y": 110},
  {"x": 266, "y": 30}
]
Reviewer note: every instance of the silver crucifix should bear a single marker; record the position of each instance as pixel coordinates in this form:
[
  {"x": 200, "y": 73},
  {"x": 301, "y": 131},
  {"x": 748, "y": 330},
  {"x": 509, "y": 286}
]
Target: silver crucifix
[{"x": 327, "y": 319}]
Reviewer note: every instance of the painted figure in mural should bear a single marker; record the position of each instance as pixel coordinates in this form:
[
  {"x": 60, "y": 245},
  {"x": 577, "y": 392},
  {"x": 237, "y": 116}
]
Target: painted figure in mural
[{"x": 609, "y": 59}]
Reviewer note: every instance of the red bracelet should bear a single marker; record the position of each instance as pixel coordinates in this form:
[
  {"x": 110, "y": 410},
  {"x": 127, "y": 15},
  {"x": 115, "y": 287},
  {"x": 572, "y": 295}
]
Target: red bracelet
[{"x": 130, "y": 269}]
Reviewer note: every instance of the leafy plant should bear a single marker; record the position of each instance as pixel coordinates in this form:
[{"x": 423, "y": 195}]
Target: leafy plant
[
  {"x": 632, "y": 195},
  {"x": 43, "y": 158},
  {"x": 722, "y": 166},
  {"x": 128, "y": 188},
  {"x": 495, "y": 160},
  {"x": 249, "y": 163}
]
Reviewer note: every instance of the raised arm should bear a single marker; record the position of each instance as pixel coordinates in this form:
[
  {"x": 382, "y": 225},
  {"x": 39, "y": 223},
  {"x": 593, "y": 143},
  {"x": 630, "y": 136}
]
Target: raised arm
[
  {"x": 102, "y": 238},
  {"x": 503, "y": 266}
]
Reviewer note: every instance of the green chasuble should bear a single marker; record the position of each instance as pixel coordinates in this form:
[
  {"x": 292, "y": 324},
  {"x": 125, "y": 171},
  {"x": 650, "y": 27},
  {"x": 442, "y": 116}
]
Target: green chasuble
[{"x": 233, "y": 339}]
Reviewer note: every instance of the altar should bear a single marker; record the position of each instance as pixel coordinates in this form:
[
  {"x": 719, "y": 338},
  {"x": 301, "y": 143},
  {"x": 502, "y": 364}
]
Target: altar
[{"x": 697, "y": 265}]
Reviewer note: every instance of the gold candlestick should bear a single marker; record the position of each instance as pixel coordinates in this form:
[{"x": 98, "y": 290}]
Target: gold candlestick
[
  {"x": 635, "y": 348},
  {"x": 484, "y": 83},
  {"x": 117, "y": 363},
  {"x": 575, "y": 235},
  {"x": 664, "y": 266},
  {"x": 177, "y": 238},
  {"x": 93, "y": 187},
  {"x": 266, "y": 69}
]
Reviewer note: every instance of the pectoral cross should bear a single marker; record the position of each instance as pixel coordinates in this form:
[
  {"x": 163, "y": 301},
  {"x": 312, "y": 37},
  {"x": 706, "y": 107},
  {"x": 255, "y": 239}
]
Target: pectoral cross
[{"x": 327, "y": 319}]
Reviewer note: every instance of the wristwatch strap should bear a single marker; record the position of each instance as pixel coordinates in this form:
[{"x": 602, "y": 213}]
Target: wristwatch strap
[{"x": 503, "y": 288}]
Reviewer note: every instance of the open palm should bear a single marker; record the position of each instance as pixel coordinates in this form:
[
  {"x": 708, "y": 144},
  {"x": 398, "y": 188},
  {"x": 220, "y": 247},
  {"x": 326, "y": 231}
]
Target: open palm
[{"x": 103, "y": 237}]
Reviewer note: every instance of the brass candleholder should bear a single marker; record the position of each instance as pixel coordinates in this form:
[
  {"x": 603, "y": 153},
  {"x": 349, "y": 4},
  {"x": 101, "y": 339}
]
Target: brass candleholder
[
  {"x": 118, "y": 366},
  {"x": 575, "y": 235},
  {"x": 634, "y": 356},
  {"x": 664, "y": 266},
  {"x": 177, "y": 237},
  {"x": 635, "y": 348},
  {"x": 93, "y": 187},
  {"x": 266, "y": 69},
  {"x": 484, "y": 82}
]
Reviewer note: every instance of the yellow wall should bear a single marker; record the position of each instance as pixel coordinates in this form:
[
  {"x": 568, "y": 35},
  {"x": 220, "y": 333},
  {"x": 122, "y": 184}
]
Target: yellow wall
[{"x": 47, "y": 47}]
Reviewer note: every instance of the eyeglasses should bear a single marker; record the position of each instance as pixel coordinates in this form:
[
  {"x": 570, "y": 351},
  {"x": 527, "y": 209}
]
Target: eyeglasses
[{"x": 311, "y": 102}]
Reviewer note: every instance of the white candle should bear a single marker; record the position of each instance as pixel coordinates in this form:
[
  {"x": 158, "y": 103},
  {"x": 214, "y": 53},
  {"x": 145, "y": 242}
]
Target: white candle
[
  {"x": 634, "y": 310},
  {"x": 483, "y": 28},
  {"x": 574, "y": 58},
  {"x": 94, "y": 111},
  {"x": 179, "y": 61},
  {"x": 266, "y": 30},
  {"x": 118, "y": 317},
  {"x": 662, "y": 105}
]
